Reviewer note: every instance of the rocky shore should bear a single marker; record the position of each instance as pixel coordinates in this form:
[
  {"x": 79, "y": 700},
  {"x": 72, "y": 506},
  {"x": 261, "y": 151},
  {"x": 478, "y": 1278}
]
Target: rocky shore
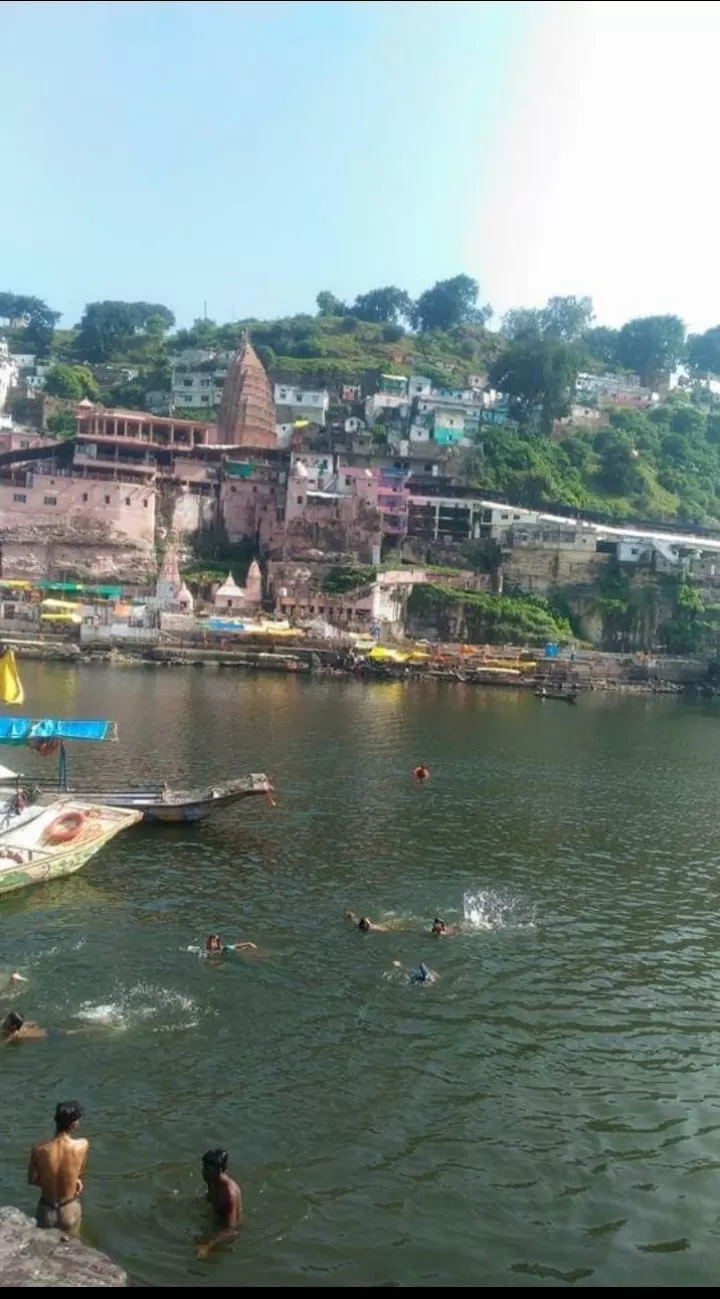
[{"x": 31, "y": 1257}]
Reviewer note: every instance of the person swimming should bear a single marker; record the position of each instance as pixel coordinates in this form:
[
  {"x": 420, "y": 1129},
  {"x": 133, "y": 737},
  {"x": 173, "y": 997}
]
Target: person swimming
[
  {"x": 441, "y": 930},
  {"x": 364, "y": 924},
  {"x": 215, "y": 946},
  {"x": 421, "y": 772},
  {"x": 421, "y": 974},
  {"x": 14, "y": 1028}
]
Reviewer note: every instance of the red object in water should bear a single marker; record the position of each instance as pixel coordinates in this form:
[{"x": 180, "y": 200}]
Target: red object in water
[{"x": 421, "y": 773}]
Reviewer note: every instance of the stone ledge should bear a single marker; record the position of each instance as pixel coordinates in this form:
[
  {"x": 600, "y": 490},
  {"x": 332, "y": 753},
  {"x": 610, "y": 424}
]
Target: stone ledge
[{"x": 31, "y": 1257}]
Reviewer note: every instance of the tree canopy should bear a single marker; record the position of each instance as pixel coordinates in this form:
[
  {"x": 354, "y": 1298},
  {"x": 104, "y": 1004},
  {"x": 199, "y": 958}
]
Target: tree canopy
[
  {"x": 447, "y": 304},
  {"x": 388, "y": 305},
  {"x": 703, "y": 352},
  {"x": 73, "y": 382},
  {"x": 538, "y": 376},
  {"x": 652, "y": 346},
  {"x": 36, "y": 319},
  {"x": 106, "y": 327}
]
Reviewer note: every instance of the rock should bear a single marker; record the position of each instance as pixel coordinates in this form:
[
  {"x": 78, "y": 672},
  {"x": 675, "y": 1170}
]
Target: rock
[{"x": 31, "y": 1257}]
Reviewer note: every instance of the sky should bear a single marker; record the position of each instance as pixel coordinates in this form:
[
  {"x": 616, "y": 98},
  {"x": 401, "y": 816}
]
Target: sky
[{"x": 236, "y": 158}]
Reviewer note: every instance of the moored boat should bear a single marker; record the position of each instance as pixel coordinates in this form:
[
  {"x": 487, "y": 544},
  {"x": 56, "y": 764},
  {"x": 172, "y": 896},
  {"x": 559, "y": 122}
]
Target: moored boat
[
  {"x": 153, "y": 802},
  {"x": 57, "y": 841},
  {"x": 560, "y": 696}
]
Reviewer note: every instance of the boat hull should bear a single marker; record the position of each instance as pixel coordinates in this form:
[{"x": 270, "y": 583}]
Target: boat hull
[
  {"x": 175, "y": 807},
  {"x": 42, "y": 863}
]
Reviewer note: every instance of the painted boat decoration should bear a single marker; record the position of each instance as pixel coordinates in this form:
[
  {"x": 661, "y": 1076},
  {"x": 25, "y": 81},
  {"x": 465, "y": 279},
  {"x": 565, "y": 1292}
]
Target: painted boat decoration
[{"x": 58, "y": 841}]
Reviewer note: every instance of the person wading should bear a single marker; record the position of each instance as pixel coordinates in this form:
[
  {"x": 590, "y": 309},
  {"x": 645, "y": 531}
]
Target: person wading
[{"x": 58, "y": 1167}]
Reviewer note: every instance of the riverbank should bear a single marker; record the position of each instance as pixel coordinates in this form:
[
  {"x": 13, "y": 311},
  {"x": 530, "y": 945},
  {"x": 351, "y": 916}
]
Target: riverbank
[
  {"x": 31, "y": 1257},
  {"x": 587, "y": 671}
]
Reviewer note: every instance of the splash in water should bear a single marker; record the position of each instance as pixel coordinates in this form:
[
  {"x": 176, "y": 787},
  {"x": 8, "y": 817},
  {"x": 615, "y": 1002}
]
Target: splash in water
[
  {"x": 160, "y": 1008},
  {"x": 489, "y": 909}
]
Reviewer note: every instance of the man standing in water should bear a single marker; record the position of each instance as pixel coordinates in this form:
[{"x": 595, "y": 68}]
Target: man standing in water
[
  {"x": 57, "y": 1167},
  {"x": 225, "y": 1197}
]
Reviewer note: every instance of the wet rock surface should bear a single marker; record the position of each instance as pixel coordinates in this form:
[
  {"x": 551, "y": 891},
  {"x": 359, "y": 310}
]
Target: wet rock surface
[{"x": 31, "y": 1257}]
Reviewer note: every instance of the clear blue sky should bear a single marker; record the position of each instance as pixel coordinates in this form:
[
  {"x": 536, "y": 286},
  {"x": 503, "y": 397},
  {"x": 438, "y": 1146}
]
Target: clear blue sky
[
  {"x": 250, "y": 154},
  {"x": 244, "y": 154}
]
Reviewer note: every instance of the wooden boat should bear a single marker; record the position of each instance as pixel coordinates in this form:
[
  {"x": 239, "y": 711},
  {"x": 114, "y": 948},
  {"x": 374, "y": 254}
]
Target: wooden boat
[
  {"x": 57, "y": 841},
  {"x": 162, "y": 803},
  {"x": 159, "y": 803},
  {"x": 561, "y": 696}
]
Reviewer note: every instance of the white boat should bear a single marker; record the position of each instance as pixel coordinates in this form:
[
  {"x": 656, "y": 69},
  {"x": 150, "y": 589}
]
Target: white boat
[{"x": 46, "y": 843}]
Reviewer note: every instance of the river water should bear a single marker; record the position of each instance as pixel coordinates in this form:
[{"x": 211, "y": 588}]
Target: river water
[{"x": 547, "y": 1113}]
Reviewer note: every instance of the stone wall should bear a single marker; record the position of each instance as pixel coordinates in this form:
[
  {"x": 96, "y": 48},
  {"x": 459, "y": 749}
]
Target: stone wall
[{"x": 76, "y": 508}]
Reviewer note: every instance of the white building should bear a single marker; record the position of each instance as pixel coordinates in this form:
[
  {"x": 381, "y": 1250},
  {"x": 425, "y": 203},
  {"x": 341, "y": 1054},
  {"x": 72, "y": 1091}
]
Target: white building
[
  {"x": 293, "y": 402},
  {"x": 8, "y": 373},
  {"x": 198, "y": 375}
]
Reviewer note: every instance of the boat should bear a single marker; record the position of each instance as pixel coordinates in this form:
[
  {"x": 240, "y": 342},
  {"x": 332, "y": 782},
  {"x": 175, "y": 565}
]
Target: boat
[
  {"x": 562, "y": 696},
  {"x": 154, "y": 802},
  {"x": 163, "y": 803},
  {"x": 57, "y": 841}
]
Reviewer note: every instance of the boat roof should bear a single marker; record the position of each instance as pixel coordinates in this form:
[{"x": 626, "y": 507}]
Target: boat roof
[{"x": 23, "y": 730}]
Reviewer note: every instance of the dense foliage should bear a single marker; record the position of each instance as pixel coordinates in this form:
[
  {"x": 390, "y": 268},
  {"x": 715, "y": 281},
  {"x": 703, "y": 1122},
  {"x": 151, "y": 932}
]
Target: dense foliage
[{"x": 481, "y": 618}]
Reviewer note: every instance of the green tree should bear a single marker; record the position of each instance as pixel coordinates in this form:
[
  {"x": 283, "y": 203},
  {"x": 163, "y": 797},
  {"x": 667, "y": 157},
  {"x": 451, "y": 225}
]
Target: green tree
[
  {"x": 62, "y": 424},
  {"x": 73, "y": 382},
  {"x": 601, "y": 343},
  {"x": 703, "y": 352},
  {"x": 387, "y": 305},
  {"x": 448, "y": 303},
  {"x": 36, "y": 318},
  {"x": 652, "y": 346},
  {"x": 106, "y": 328},
  {"x": 566, "y": 318},
  {"x": 329, "y": 305},
  {"x": 538, "y": 376},
  {"x": 619, "y": 472}
]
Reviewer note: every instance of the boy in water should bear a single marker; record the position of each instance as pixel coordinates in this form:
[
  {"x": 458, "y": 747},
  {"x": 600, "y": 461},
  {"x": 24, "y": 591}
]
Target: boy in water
[
  {"x": 225, "y": 1197},
  {"x": 440, "y": 930},
  {"x": 57, "y": 1167},
  {"x": 364, "y": 924},
  {"x": 15, "y": 1029},
  {"x": 216, "y": 947}
]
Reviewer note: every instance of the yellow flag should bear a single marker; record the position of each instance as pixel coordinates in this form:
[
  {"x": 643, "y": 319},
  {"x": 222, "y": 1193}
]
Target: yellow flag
[{"x": 11, "y": 689}]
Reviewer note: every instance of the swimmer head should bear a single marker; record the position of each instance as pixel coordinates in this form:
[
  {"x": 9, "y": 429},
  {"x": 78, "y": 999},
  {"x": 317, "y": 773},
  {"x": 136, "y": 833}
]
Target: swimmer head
[
  {"x": 438, "y": 926},
  {"x": 214, "y": 943},
  {"x": 67, "y": 1115},
  {"x": 214, "y": 1162},
  {"x": 364, "y": 925},
  {"x": 12, "y": 1022}
]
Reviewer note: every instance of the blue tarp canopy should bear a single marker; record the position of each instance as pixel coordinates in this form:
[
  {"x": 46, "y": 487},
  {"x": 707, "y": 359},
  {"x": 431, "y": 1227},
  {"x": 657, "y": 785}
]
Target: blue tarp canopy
[{"x": 23, "y": 730}]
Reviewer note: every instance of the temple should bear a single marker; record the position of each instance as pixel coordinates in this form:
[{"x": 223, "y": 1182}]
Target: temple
[{"x": 247, "y": 407}]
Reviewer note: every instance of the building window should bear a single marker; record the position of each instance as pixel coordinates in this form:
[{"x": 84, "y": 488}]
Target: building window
[
  {"x": 145, "y": 504},
  {"x": 299, "y": 500},
  {"x": 85, "y": 496},
  {"x": 107, "y": 500},
  {"x": 283, "y": 394},
  {"x": 19, "y": 497},
  {"x": 233, "y": 489},
  {"x": 50, "y": 500},
  {"x": 127, "y": 500}
]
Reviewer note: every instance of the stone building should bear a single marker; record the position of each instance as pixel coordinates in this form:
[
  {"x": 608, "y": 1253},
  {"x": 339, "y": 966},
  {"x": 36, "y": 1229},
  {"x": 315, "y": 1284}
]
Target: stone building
[{"x": 247, "y": 409}]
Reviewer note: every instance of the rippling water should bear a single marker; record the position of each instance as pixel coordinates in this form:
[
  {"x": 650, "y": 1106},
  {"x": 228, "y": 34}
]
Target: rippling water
[{"x": 547, "y": 1113}]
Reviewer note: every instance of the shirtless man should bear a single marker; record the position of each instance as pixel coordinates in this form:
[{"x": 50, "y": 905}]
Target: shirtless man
[
  {"x": 225, "y": 1197},
  {"x": 440, "y": 930},
  {"x": 216, "y": 947},
  {"x": 364, "y": 924},
  {"x": 58, "y": 1167},
  {"x": 14, "y": 1028}
]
